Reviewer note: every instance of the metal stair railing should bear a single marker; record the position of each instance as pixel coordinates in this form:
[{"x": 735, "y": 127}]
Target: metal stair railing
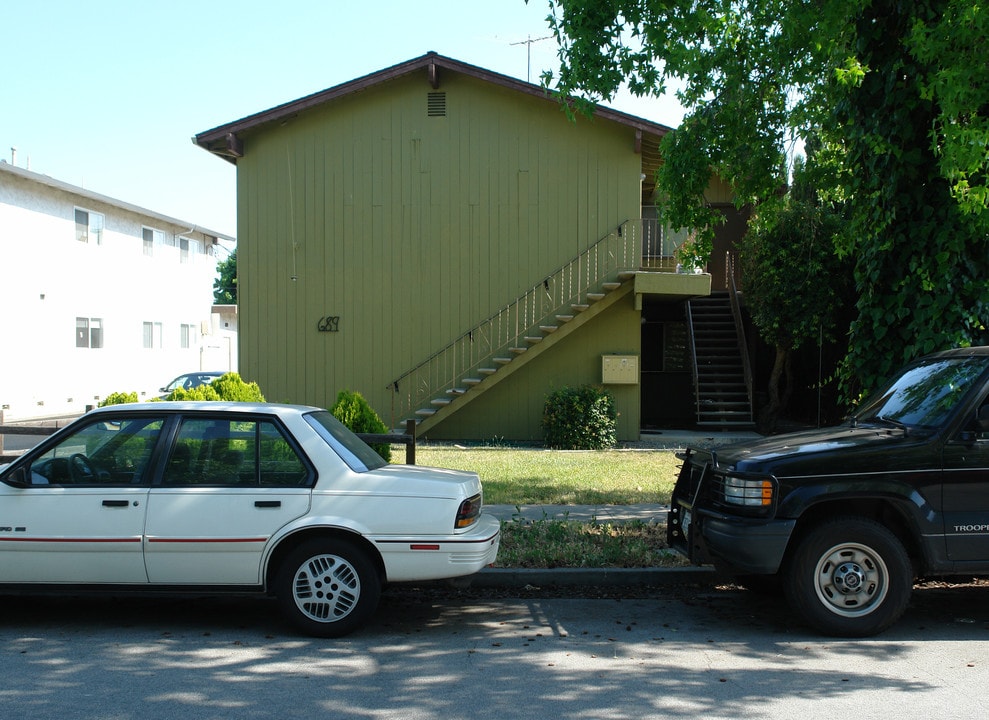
[
  {"x": 736, "y": 311},
  {"x": 693, "y": 360},
  {"x": 504, "y": 333}
]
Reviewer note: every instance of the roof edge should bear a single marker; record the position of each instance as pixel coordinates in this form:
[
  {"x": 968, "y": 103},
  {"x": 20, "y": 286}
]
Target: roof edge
[
  {"x": 223, "y": 141},
  {"x": 107, "y": 200}
]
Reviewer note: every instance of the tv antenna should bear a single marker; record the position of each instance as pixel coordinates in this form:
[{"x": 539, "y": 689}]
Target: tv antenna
[{"x": 528, "y": 52}]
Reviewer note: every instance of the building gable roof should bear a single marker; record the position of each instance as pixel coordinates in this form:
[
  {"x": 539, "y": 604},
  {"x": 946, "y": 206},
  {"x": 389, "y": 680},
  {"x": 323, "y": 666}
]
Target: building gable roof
[{"x": 226, "y": 141}]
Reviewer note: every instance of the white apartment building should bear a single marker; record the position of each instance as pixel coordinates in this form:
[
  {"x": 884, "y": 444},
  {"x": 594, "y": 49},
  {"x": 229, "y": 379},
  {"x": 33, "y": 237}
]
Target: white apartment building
[{"x": 99, "y": 296}]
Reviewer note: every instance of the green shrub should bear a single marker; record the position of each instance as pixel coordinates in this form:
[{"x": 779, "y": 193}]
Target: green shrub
[
  {"x": 203, "y": 392},
  {"x": 354, "y": 411},
  {"x": 229, "y": 387},
  {"x": 119, "y": 398},
  {"x": 581, "y": 418}
]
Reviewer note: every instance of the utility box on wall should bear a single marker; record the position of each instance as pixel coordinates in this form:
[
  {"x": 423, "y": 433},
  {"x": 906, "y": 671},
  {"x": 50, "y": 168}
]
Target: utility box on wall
[{"x": 619, "y": 369}]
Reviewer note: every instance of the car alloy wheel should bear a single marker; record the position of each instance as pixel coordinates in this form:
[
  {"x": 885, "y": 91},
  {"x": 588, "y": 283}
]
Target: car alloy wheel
[{"x": 328, "y": 588}]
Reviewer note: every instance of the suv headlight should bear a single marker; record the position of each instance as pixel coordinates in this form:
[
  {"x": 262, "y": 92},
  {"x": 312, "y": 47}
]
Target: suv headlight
[{"x": 748, "y": 492}]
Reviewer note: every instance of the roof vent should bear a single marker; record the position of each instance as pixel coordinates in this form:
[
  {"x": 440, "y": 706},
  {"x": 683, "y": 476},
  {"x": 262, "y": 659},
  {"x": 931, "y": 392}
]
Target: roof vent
[{"x": 436, "y": 104}]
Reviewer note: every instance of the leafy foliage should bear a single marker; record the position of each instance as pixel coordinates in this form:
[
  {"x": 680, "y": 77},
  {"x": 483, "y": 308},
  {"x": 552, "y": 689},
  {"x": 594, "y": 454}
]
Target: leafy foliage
[
  {"x": 225, "y": 285},
  {"x": 796, "y": 287},
  {"x": 119, "y": 398},
  {"x": 228, "y": 387},
  {"x": 581, "y": 418},
  {"x": 900, "y": 93},
  {"x": 354, "y": 411}
]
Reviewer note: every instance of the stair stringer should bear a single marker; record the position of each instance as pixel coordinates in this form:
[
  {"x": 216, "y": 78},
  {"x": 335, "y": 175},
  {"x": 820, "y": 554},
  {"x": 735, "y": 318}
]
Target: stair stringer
[{"x": 520, "y": 361}]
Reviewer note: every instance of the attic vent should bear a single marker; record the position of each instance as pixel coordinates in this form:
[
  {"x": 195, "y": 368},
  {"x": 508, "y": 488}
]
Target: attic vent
[{"x": 436, "y": 104}]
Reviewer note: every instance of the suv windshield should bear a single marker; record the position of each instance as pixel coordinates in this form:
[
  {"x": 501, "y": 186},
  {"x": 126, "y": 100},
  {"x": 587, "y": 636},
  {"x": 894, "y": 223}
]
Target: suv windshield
[
  {"x": 351, "y": 449},
  {"x": 925, "y": 395}
]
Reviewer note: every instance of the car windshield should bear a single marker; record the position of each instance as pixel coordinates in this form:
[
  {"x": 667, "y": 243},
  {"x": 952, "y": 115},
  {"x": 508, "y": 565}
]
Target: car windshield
[
  {"x": 351, "y": 449},
  {"x": 925, "y": 395}
]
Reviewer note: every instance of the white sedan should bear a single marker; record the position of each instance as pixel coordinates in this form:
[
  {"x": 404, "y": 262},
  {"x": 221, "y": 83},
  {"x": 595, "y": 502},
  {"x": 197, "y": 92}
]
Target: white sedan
[{"x": 237, "y": 497}]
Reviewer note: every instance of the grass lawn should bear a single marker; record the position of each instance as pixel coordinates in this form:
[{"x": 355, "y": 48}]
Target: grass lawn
[{"x": 535, "y": 476}]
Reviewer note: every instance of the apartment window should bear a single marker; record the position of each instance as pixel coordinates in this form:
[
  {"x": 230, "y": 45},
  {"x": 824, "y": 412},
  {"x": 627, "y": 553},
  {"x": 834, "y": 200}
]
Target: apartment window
[
  {"x": 152, "y": 238},
  {"x": 89, "y": 332},
  {"x": 187, "y": 337},
  {"x": 152, "y": 335},
  {"x": 89, "y": 227}
]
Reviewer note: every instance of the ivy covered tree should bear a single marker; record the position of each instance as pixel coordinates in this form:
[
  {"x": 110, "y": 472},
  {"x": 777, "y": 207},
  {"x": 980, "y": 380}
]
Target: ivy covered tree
[
  {"x": 900, "y": 95},
  {"x": 797, "y": 288},
  {"x": 225, "y": 284}
]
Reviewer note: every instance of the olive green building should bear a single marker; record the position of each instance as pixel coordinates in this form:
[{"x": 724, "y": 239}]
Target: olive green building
[{"x": 447, "y": 242}]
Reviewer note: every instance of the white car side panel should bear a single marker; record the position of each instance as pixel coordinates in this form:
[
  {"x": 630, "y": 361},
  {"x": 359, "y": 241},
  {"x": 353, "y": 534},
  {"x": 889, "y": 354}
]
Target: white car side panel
[
  {"x": 56, "y": 534},
  {"x": 215, "y": 535}
]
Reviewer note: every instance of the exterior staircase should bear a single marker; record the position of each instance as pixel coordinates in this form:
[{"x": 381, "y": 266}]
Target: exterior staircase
[
  {"x": 721, "y": 387},
  {"x": 508, "y": 340},
  {"x": 500, "y": 367}
]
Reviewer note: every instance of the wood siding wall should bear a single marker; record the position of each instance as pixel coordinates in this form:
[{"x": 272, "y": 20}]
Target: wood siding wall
[{"x": 411, "y": 229}]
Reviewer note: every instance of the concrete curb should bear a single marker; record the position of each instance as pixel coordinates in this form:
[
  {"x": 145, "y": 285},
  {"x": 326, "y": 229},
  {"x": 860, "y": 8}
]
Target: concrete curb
[{"x": 573, "y": 577}]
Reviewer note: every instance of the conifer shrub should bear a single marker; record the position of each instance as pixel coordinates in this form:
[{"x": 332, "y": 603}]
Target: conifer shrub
[
  {"x": 357, "y": 414},
  {"x": 579, "y": 418}
]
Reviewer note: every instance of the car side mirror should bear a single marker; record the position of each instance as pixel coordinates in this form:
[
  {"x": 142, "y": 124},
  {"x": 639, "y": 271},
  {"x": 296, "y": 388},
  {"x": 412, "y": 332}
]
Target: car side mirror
[{"x": 19, "y": 478}]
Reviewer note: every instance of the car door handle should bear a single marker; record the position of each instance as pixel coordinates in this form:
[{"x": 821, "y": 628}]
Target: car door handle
[
  {"x": 116, "y": 503},
  {"x": 267, "y": 503}
]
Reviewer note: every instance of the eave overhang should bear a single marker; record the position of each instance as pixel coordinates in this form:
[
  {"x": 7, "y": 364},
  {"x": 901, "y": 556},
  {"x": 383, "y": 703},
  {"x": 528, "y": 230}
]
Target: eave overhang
[{"x": 227, "y": 141}]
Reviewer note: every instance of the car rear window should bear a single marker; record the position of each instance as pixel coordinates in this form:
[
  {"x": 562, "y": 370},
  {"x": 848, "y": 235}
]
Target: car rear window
[{"x": 352, "y": 450}]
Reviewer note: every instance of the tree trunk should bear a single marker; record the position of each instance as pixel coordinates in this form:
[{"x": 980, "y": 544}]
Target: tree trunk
[{"x": 777, "y": 401}]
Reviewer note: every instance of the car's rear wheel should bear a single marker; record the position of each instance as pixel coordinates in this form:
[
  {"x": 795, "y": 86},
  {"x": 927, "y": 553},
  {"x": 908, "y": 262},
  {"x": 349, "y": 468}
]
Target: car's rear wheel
[
  {"x": 328, "y": 588},
  {"x": 850, "y": 577}
]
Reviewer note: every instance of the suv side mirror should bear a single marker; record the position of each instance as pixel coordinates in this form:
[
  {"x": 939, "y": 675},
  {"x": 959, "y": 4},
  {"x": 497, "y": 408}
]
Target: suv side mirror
[{"x": 982, "y": 419}]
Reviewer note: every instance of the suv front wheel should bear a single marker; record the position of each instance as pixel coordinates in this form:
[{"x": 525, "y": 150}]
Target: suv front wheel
[{"x": 850, "y": 577}]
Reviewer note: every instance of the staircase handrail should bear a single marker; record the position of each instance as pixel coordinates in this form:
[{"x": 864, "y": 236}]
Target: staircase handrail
[
  {"x": 736, "y": 311},
  {"x": 511, "y": 322},
  {"x": 693, "y": 359}
]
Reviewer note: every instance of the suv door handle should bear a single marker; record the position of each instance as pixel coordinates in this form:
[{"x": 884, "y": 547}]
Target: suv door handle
[
  {"x": 116, "y": 503},
  {"x": 267, "y": 503}
]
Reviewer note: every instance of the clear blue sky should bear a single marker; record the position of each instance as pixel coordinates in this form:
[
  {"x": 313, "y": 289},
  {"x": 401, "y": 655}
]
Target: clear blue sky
[{"x": 107, "y": 94}]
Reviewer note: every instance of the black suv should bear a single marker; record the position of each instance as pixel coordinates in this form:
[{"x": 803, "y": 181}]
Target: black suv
[{"x": 845, "y": 518}]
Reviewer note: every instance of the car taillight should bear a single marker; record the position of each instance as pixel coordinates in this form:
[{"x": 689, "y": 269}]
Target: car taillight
[
  {"x": 468, "y": 512},
  {"x": 749, "y": 492}
]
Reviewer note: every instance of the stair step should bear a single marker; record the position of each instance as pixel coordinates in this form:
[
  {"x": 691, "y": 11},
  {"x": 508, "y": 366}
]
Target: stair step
[
  {"x": 564, "y": 318},
  {"x": 425, "y": 412},
  {"x": 472, "y": 381},
  {"x": 532, "y": 340},
  {"x": 501, "y": 360},
  {"x": 609, "y": 286},
  {"x": 487, "y": 371},
  {"x": 549, "y": 328},
  {"x": 456, "y": 391},
  {"x": 594, "y": 297},
  {"x": 580, "y": 308},
  {"x": 517, "y": 350},
  {"x": 440, "y": 402},
  {"x": 626, "y": 275}
]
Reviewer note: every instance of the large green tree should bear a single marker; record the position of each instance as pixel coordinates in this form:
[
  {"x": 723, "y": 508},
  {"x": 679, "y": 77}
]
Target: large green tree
[
  {"x": 899, "y": 92},
  {"x": 797, "y": 288},
  {"x": 225, "y": 284}
]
